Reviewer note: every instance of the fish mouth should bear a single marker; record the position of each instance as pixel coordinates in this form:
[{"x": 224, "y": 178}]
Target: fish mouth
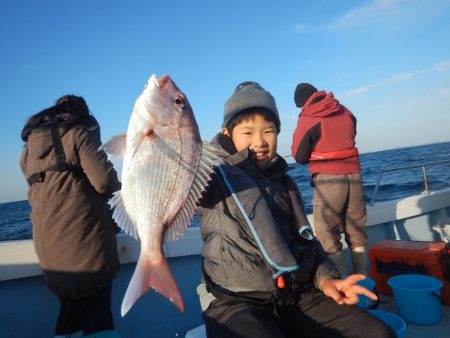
[{"x": 163, "y": 80}]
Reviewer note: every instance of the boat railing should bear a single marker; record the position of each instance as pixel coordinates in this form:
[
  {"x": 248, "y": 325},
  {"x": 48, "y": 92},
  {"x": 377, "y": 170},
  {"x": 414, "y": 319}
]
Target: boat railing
[{"x": 424, "y": 173}]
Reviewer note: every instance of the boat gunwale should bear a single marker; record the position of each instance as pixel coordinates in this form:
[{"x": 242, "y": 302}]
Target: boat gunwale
[{"x": 18, "y": 258}]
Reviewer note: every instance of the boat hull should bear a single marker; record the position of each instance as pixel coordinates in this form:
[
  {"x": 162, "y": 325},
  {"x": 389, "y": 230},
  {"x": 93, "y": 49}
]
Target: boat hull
[{"x": 29, "y": 309}]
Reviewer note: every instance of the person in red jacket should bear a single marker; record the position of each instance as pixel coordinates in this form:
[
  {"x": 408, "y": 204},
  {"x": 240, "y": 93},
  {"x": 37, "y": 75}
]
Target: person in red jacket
[{"x": 325, "y": 138}]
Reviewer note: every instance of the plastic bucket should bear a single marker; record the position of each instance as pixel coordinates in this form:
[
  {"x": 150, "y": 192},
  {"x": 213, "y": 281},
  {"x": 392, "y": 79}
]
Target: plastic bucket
[
  {"x": 393, "y": 321},
  {"x": 417, "y": 298},
  {"x": 364, "y": 301}
]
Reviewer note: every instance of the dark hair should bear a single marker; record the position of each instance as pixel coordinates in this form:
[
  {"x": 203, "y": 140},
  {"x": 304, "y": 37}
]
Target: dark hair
[
  {"x": 69, "y": 109},
  {"x": 267, "y": 114},
  {"x": 75, "y": 105}
]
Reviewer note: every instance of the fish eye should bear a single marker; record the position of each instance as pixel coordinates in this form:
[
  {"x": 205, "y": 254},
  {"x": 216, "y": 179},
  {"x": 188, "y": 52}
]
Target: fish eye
[{"x": 179, "y": 101}]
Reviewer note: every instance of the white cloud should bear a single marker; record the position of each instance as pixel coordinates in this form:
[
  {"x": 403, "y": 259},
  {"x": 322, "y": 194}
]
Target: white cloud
[
  {"x": 300, "y": 28},
  {"x": 382, "y": 12},
  {"x": 357, "y": 91},
  {"x": 394, "y": 78},
  {"x": 403, "y": 76},
  {"x": 441, "y": 66},
  {"x": 365, "y": 14}
]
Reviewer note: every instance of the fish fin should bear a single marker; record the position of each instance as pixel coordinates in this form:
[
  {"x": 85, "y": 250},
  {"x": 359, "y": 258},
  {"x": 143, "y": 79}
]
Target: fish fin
[
  {"x": 201, "y": 180},
  {"x": 116, "y": 145},
  {"x": 134, "y": 145},
  {"x": 121, "y": 216},
  {"x": 179, "y": 225},
  {"x": 151, "y": 275},
  {"x": 214, "y": 151}
]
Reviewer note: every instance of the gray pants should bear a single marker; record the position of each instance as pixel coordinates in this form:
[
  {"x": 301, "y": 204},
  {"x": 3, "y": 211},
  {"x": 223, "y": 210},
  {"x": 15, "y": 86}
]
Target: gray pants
[{"x": 339, "y": 203}]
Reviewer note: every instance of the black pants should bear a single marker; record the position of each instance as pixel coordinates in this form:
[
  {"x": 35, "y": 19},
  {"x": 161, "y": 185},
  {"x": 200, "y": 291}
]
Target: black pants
[
  {"x": 315, "y": 315},
  {"x": 90, "y": 314}
]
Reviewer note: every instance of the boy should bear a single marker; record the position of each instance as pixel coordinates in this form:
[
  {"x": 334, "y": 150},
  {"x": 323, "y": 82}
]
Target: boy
[{"x": 264, "y": 274}]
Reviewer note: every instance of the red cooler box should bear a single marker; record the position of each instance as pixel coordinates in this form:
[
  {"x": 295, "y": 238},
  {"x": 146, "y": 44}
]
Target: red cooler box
[{"x": 390, "y": 258}]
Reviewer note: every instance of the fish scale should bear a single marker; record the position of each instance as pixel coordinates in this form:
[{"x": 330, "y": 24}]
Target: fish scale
[
  {"x": 165, "y": 169},
  {"x": 166, "y": 197}
]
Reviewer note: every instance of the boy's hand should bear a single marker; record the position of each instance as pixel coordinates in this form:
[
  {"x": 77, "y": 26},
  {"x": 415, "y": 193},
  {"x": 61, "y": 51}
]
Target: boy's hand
[{"x": 345, "y": 291}]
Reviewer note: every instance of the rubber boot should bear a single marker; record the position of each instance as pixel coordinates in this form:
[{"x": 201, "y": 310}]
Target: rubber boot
[
  {"x": 104, "y": 334},
  {"x": 77, "y": 334},
  {"x": 338, "y": 259},
  {"x": 359, "y": 260}
]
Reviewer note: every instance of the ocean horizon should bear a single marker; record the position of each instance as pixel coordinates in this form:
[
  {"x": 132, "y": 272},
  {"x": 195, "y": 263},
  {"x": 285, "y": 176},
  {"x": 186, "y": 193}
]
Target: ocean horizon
[{"x": 15, "y": 223}]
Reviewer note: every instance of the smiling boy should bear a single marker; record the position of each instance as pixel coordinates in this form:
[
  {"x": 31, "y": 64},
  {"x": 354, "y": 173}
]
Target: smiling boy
[
  {"x": 264, "y": 273},
  {"x": 255, "y": 131}
]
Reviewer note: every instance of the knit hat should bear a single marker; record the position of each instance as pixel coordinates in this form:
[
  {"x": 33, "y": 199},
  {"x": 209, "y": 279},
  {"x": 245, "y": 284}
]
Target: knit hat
[
  {"x": 247, "y": 95},
  {"x": 302, "y": 93}
]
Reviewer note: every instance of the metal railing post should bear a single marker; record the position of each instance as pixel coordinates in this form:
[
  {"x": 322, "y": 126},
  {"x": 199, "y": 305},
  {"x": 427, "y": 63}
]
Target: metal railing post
[
  {"x": 375, "y": 191},
  {"x": 425, "y": 179}
]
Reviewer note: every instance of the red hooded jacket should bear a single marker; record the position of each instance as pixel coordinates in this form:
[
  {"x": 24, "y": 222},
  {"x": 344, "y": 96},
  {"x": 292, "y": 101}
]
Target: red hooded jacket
[{"x": 326, "y": 129}]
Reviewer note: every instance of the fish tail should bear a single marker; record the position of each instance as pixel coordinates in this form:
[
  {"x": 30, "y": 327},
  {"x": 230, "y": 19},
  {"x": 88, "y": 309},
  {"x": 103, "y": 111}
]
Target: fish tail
[{"x": 151, "y": 275}]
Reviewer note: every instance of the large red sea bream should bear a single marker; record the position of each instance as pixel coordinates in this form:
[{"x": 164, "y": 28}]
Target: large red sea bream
[{"x": 165, "y": 168}]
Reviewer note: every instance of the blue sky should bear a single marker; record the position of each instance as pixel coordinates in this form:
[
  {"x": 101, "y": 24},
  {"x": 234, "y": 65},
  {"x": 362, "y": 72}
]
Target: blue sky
[{"x": 386, "y": 60}]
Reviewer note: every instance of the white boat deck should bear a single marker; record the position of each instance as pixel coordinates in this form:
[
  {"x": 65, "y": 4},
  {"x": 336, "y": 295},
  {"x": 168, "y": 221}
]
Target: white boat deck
[{"x": 411, "y": 219}]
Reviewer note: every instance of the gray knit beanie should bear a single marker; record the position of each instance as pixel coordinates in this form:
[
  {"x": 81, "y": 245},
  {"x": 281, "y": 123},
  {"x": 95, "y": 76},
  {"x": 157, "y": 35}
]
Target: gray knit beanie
[
  {"x": 247, "y": 95},
  {"x": 303, "y": 92}
]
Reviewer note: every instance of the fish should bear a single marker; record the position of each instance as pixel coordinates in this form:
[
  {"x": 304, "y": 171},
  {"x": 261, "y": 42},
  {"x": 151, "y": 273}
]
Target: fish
[{"x": 166, "y": 167}]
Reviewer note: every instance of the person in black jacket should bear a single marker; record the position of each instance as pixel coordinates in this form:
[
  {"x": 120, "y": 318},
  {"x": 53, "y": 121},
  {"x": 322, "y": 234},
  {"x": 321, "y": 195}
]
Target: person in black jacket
[{"x": 264, "y": 273}]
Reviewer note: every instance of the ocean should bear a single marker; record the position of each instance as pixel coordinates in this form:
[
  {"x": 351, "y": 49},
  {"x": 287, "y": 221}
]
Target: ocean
[{"x": 15, "y": 223}]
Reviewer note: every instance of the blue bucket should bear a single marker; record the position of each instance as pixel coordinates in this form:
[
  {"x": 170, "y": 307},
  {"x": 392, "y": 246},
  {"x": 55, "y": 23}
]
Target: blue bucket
[
  {"x": 417, "y": 298},
  {"x": 393, "y": 321},
  {"x": 364, "y": 301}
]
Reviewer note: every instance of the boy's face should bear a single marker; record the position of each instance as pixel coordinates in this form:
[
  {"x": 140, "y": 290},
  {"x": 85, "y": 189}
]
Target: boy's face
[{"x": 257, "y": 134}]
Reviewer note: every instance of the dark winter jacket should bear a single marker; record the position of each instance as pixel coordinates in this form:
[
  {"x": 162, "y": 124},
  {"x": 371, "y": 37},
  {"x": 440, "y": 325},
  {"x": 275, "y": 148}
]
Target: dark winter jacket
[
  {"x": 326, "y": 129},
  {"x": 250, "y": 221},
  {"x": 73, "y": 232}
]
